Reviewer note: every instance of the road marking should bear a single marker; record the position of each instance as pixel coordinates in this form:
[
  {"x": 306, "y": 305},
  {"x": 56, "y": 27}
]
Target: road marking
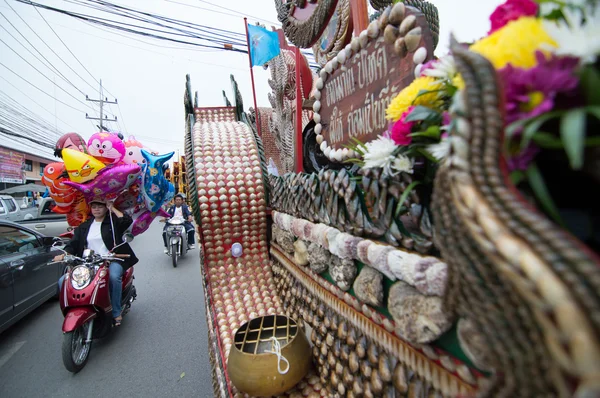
[{"x": 11, "y": 351}]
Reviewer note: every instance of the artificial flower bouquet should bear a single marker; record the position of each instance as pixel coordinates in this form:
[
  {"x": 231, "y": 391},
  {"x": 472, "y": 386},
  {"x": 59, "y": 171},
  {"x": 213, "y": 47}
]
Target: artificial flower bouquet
[{"x": 545, "y": 55}]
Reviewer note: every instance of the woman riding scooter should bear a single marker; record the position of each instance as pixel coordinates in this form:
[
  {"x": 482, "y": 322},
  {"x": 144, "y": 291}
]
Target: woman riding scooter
[{"x": 97, "y": 234}]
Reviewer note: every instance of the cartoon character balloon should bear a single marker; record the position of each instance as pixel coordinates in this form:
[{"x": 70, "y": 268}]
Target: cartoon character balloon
[
  {"x": 70, "y": 141},
  {"x": 54, "y": 178},
  {"x": 133, "y": 151},
  {"x": 109, "y": 182},
  {"x": 156, "y": 189},
  {"x": 80, "y": 212},
  {"x": 106, "y": 147},
  {"x": 81, "y": 167}
]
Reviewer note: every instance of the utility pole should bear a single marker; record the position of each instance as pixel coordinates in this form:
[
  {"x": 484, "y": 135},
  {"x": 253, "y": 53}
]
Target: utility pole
[{"x": 102, "y": 102}]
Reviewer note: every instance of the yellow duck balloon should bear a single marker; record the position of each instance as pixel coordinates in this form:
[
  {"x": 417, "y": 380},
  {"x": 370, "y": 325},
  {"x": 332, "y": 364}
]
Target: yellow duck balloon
[{"x": 80, "y": 166}]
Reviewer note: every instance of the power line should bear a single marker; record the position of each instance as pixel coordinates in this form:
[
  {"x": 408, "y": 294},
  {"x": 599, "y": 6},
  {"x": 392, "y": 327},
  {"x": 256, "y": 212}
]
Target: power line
[
  {"x": 35, "y": 102},
  {"x": 100, "y": 21},
  {"x": 237, "y": 12},
  {"x": 69, "y": 50},
  {"x": 46, "y": 44},
  {"x": 39, "y": 89},
  {"x": 22, "y": 108},
  {"x": 41, "y": 73}
]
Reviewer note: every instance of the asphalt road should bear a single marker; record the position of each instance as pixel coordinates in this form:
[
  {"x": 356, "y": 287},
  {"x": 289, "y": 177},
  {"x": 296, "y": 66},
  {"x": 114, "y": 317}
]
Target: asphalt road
[{"x": 159, "y": 351}]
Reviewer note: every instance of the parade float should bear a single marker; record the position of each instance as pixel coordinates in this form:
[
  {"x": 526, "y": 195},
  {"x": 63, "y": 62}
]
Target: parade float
[
  {"x": 110, "y": 168},
  {"x": 431, "y": 229}
]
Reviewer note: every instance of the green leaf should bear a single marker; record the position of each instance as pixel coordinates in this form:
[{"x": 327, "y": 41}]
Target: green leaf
[
  {"x": 555, "y": 15},
  {"x": 431, "y": 132},
  {"x": 572, "y": 133},
  {"x": 427, "y": 155},
  {"x": 512, "y": 128},
  {"x": 547, "y": 140},
  {"x": 404, "y": 195},
  {"x": 536, "y": 181},
  {"x": 181, "y": 376},
  {"x": 517, "y": 176},
  {"x": 593, "y": 110},
  {"x": 422, "y": 113},
  {"x": 531, "y": 128},
  {"x": 590, "y": 83}
]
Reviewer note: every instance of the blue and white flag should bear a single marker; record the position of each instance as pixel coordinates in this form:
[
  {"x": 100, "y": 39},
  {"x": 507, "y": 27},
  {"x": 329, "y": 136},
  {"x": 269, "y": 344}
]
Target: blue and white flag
[{"x": 263, "y": 43}]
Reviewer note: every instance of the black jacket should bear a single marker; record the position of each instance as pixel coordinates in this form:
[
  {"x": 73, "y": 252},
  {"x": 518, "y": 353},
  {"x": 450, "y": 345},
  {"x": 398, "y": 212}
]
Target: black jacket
[
  {"x": 77, "y": 245},
  {"x": 185, "y": 211}
]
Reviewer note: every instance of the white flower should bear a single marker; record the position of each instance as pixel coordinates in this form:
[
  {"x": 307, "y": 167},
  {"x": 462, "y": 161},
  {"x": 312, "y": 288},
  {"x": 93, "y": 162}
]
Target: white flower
[
  {"x": 573, "y": 38},
  {"x": 403, "y": 163},
  {"x": 379, "y": 154},
  {"x": 443, "y": 68},
  {"x": 441, "y": 150}
]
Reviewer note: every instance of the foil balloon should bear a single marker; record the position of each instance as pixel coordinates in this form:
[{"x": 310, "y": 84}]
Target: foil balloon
[
  {"x": 53, "y": 178},
  {"x": 109, "y": 182},
  {"x": 106, "y": 147},
  {"x": 133, "y": 152},
  {"x": 143, "y": 221},
  {"x": 70, "y": 141},
  {"x": 156, "y": 188},
  {"x": 128, "y": 199},
  {"x": 80, "y": 211},
  {"x": 80, "y": 166}
]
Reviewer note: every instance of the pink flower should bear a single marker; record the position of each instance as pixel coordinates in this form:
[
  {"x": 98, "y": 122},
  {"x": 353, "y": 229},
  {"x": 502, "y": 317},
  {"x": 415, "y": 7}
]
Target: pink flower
[
  {"x": 531, "y": 92},
  {"x": 401, "y": 129},
  {"x": 511, "y": 11}
]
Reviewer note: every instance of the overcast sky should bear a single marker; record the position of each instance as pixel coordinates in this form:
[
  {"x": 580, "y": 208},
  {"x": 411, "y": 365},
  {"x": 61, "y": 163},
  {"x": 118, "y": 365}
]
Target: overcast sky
[{"x": 148, "y": 76}]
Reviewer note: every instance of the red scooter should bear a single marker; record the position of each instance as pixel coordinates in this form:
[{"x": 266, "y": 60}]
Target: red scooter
[{"x": 85, "y": 303}]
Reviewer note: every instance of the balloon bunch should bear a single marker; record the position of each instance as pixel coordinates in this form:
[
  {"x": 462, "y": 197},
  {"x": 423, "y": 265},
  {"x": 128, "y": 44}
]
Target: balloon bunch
[{"x": 109, "y": 168}]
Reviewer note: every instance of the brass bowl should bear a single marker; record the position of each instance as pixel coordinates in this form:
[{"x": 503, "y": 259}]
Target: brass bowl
[{"x": 253, "y": 370}]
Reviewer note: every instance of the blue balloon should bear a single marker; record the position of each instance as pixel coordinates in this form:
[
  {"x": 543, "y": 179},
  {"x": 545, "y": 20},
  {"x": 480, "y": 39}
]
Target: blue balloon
[{"x": 156, "y": 188}]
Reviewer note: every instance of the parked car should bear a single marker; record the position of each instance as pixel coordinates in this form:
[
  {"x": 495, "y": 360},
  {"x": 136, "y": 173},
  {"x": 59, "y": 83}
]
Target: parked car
[
  {"x": 28, "y": 277},
  {"x": 9, "y": 209},
  {"x": 47, "y": 222}
]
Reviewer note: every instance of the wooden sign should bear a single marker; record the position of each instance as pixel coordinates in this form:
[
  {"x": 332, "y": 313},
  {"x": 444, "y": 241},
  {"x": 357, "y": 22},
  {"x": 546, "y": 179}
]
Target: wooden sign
[{"x": 356, "y": 87}]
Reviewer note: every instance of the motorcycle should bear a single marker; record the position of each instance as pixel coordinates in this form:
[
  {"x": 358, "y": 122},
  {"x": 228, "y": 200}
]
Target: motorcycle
[
  {"x": 177, "y": 238},
  {"x": 85, "y": 302}
]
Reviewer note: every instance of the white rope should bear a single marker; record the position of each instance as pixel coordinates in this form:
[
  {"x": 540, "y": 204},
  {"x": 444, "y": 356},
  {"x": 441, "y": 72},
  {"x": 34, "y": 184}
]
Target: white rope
[{"x": 280, "y": 357}]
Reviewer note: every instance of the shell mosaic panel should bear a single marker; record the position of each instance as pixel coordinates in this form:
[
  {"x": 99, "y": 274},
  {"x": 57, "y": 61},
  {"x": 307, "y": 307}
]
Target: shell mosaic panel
[{"x": 232, "y": 208}]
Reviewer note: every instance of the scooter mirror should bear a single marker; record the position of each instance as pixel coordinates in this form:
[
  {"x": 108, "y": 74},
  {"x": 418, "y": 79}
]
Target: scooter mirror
[{"x": 127, "y": 237}]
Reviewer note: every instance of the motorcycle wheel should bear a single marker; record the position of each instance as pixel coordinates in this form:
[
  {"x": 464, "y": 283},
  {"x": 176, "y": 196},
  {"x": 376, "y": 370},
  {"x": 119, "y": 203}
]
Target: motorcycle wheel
[
  {"x": 75, "y": 351},
  {"x": 174, "y": 254}
]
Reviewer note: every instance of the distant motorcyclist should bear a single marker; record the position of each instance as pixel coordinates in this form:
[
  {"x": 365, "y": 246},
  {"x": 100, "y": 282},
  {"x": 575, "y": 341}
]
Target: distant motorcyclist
[{"x": 180, "y": 209}]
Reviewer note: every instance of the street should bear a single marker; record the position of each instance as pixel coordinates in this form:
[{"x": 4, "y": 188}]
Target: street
[{"x": 159, "y": 351}]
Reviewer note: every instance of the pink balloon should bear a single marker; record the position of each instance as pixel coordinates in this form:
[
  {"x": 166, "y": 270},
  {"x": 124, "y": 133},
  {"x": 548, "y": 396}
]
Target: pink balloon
[
  {"x": 142, "y": 223},
  {"x": 109, "y": 182},
  {"x": 106, "y": 147}
]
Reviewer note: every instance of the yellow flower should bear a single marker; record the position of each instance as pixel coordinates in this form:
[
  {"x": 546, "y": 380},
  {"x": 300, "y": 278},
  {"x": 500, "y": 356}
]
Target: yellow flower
[
  {"x": 458, "y": 82},
  {"x": 408, "y": 97},
  {"x": 515, "y": 43}
]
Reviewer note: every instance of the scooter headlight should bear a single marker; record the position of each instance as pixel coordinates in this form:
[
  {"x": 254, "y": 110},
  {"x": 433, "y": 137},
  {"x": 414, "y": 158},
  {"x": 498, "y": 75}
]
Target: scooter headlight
[{"x": 81, "y": 277}]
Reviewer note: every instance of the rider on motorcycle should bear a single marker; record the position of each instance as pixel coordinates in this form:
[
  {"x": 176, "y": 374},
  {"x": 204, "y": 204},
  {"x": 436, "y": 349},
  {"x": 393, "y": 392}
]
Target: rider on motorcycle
[
  {"x": 179, "y": 209},
  {"x": 97, "y": 234}
]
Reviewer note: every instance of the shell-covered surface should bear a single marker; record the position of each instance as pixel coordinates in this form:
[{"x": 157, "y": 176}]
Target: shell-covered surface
[
  {"x": 232, "y": 208},
  {"x": 527, "y": 287},
  {"x": 355, "y": 354}
]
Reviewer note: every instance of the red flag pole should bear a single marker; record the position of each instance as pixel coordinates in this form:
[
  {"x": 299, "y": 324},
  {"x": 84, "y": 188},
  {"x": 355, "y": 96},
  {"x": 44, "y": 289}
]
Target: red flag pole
[
  {"x": 298, "y": 147},
  {"x": 252, "y": 78}
]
